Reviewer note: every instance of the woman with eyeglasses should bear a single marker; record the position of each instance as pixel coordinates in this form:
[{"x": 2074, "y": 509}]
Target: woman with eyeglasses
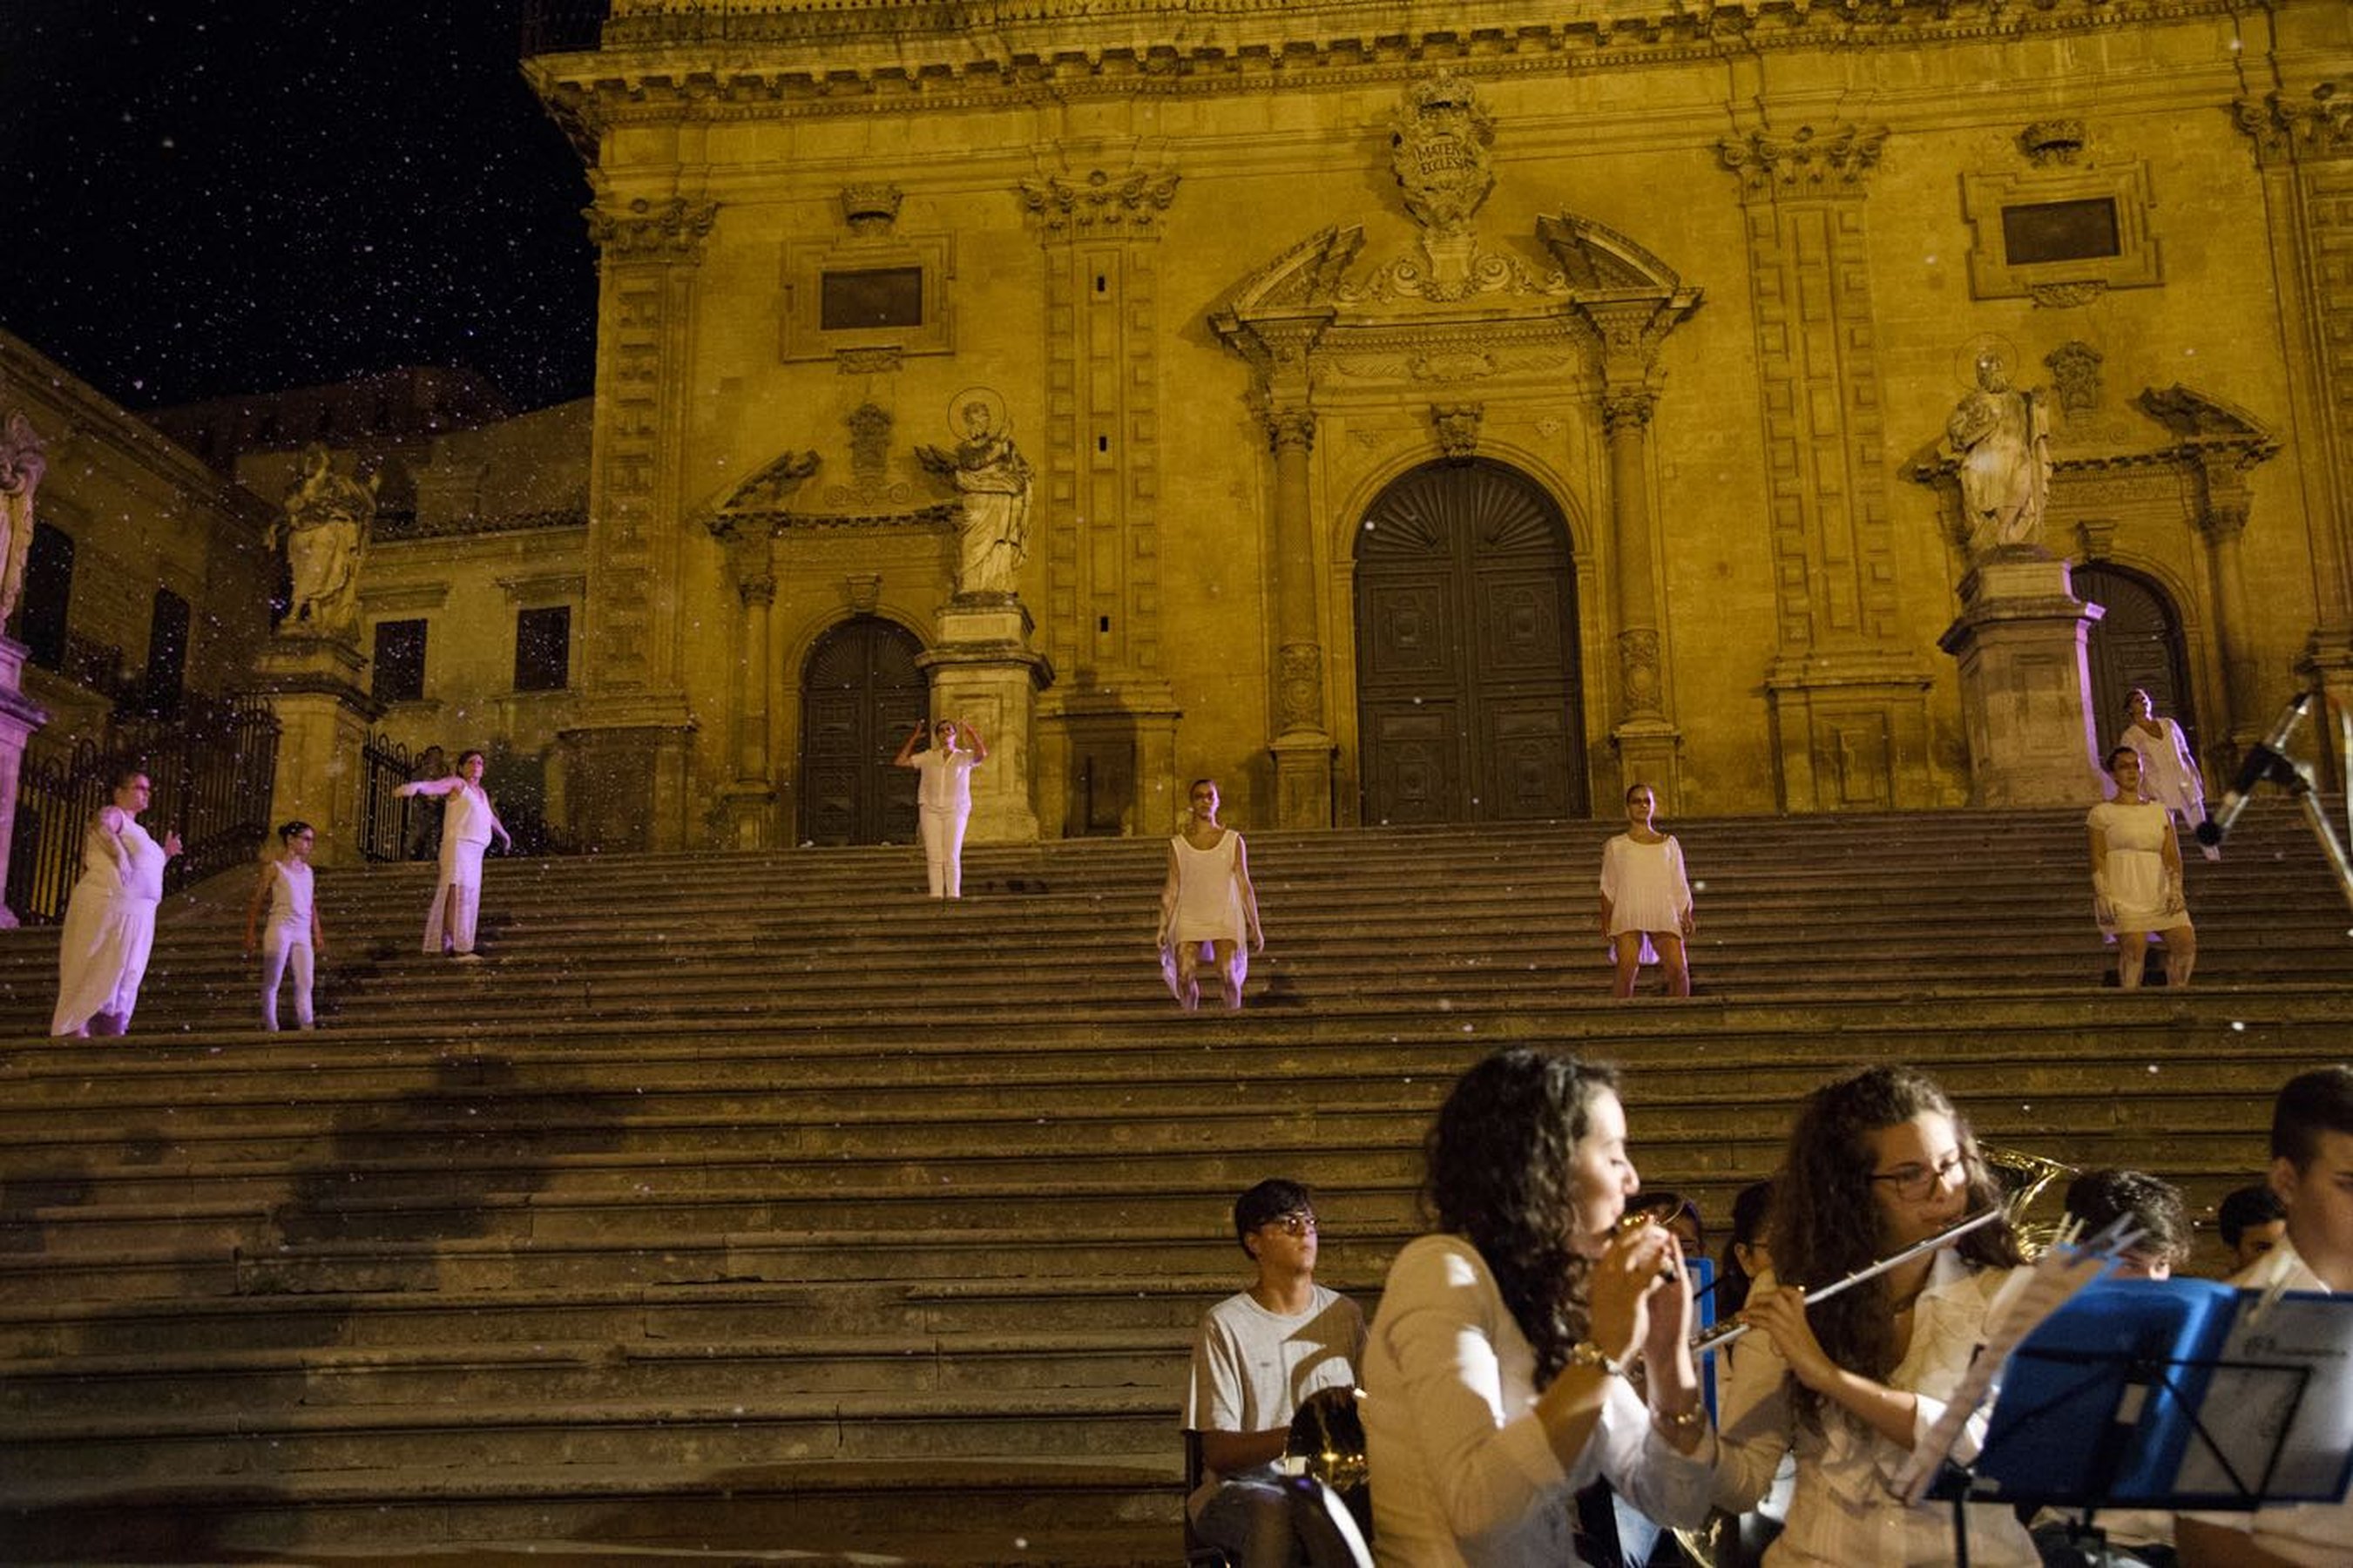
[
  {"x": 109, "y": 927},
  {"x": 292, "y": 938},
  {"x": 1500, "y": 1371},
  {"x": 1876, "y": 1162}
]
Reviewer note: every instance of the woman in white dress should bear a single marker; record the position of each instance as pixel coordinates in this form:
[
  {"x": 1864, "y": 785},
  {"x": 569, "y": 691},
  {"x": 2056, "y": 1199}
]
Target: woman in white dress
[
  {"x": 1499, "y": 1370},
  {"x": 1876, "y": 1162},
  {"x": 2168, "y": 772},
  {"x": 468, "y": 820},
  {"x": 2136, "y": 877},
  {"x": 292, "y": 939},
  {"x": 944, "y": 798},
  {"x": 110, "y": 918},
  {"x": 1646, "y": 902},
  {"x": 1208, "y": 899}
]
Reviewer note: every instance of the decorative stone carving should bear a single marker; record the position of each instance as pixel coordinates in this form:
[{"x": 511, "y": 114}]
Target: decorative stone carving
[
  {"x": 2291, "y": 133},
  {"x": 1100, "y": 201},
  {"x": 994, "y": 479},
  {"x": 2000, "y": 438},
  {"x": 869, "y": 440},
  {"x": 646, "y": 230},
  {"x": 1627, "y": 406},
  {"x": 870, "y": 210},
  {"x": 773, "y": 486},
  {"x": 2067, "y": 296},
  {"x": 2053, "y": 142},
  {"x": 1289, "y": 428},
  {"x": 1438, "y": 150},
  {"x": 2098, "y": 535},
  {"x": 325, "y": 528},
  {"x": 1458, "y": 428},
  {"x": 1299, "y": 687},
  {"x": 24, "y": 458},
  {"x": 2075, "y": 370},
  {"x": 863, "y": 592},
  {"x": 1805, "y": 163},
  {"x": 1638, "y": 672},
  {"x": 869, "y": 361}
]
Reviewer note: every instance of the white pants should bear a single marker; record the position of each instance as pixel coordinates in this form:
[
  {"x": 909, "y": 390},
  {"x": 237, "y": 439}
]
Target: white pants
[
  {"x": 461, "y": 872},
  {"x": 943, "y": 851},
  {"x": 283, "y": 950}
]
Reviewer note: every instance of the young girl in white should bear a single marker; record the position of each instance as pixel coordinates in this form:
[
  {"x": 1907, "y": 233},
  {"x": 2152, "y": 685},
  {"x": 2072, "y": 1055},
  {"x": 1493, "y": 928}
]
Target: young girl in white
[
  {"x": 292, "y": 939},
  {"x": 944, "y": 798},
  {"x": 1208, "y": 898},
  {"x": 468, "y": 820},
  {"x": 1645, "y": 899}
]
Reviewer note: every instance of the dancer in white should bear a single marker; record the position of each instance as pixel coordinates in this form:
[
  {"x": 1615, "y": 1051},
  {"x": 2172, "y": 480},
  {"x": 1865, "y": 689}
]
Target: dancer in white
[
  {"x": 2168, "y": 772},
  {"x": 944, "y": 798},
  {"x": 2136, "y": 877},
  {"x": 110, "y": 918},
  {"x": 1208, "y": 898},
  {"x": 293, "y": 938},
  {"x": 1646, "y": 898},
  {"x": 468, "y": 820}
]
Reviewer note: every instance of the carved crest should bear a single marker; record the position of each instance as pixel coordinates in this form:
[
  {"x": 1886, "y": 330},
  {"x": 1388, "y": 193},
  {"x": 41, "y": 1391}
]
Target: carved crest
[{"x": 1438, "y": 148}]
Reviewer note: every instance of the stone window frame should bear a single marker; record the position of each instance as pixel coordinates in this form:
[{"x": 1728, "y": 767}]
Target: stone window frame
[
  {"x": 522, "y": 611},
  {"x": 377, "y": 672},
  {"x": 804, "y": 338},
  {"x": 2137, "y": 264}
]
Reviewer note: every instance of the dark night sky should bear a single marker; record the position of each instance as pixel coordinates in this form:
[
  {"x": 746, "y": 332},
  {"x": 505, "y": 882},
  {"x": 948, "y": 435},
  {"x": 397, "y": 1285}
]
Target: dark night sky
[{"x": 203, "y": 199}]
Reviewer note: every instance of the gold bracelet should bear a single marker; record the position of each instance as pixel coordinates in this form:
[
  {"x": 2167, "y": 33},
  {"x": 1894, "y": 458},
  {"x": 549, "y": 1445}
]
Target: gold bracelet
[
  {"x": 1585, "y": 1352},
  {"x": 1695, "y": 1416}
]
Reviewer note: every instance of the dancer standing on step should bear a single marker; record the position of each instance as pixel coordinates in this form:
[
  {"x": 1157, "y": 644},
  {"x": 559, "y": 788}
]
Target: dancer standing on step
[
  {"x": 468, "y": 820},
  {"x": 2136, "y": 877},
  {"x": 1646, "y": 902},
  {"x": 110, "y": 919},
  {"x": 1208, "y": 899},
  {"x": 944, "y": 798},
  {"x": 293, "y": 937},
  {"x": 1498, "y": 1376},
  {"x": 1876, "y": 1162},
  {"x": 2169, "y": 774}
]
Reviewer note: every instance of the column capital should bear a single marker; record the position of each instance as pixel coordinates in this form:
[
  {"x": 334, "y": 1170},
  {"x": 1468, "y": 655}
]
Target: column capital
[
  {"x": 1626, "y": 409},
  {"x": 1101, "y": 202},
  {"x": 2286, "y": 133},
  {"x": 1289, "y": 428},
  {"x": 646, "y": 230},
  {"x": 1805, "y": 165}
]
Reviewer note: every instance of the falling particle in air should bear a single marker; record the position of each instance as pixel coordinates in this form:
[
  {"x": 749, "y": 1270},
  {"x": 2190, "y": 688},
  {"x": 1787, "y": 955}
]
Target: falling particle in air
[
  {"x": 2237, "y": 1027},
  {"x": 2152, "y": 1067}
]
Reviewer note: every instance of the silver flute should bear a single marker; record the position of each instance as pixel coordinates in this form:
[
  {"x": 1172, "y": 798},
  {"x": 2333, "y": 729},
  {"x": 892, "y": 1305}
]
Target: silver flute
[{"x": 1723, "y": 1334}]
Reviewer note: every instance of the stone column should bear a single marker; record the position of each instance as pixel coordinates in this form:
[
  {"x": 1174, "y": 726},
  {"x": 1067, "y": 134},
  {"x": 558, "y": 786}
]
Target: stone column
[
  {"x": 983, "y": 670},
  {"x": 2025, "y": 687},
  {"x": 1646, "y": 739},
  {"x": 316, "y": 687},
  {"x": 19, "y": 718},
  {"x": 2222, "y": 519},
  {"x": 750, "y": 802},
  {"x": 1302, "y": 745}
]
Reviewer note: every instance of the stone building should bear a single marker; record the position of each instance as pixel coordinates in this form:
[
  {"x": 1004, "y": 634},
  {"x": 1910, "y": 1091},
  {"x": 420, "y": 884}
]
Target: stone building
[{"x": 1446, "y": 414}]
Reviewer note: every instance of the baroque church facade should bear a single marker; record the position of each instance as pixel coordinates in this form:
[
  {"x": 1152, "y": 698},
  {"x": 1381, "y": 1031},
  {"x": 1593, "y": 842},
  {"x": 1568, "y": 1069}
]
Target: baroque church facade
[{"x": 1437, "y": 414}]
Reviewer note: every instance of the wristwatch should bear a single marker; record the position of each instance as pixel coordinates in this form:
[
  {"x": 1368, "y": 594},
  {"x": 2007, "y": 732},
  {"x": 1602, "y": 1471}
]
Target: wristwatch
[{"x": 1585, "y": 1352}]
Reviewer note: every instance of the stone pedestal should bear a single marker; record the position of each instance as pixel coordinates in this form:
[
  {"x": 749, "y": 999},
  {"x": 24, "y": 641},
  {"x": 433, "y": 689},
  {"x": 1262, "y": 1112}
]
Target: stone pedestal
[
  {"x": 748, "y": 810},
  {"x": 983, "y": 670},
  {"x": 1647, "y": 753},
  {"x": 19, "y": 717},
  {"x": 315, "y": 687},
  {"x": 1302, "y": 778},
  {"x": 2025, "y": 691}
]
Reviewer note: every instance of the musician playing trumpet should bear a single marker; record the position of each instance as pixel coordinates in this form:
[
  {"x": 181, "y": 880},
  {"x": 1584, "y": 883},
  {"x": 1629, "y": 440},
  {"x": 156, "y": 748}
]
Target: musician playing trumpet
[{"x": 1877, "y": 1161}]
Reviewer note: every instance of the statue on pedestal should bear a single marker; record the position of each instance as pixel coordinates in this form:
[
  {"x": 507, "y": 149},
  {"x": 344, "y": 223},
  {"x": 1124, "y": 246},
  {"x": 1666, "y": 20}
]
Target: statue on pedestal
[
  {"x": 994, "y": 479},
  {"x": 22, "y": 460},
  {"x": 2000, "y": 437},
  {"x": 325, "y": 529}
]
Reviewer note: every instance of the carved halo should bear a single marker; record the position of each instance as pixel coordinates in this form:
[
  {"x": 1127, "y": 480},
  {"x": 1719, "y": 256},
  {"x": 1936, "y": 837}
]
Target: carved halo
[
  {"x": 1985, "y": 345},
  {"x": 1000, "y": 421}
]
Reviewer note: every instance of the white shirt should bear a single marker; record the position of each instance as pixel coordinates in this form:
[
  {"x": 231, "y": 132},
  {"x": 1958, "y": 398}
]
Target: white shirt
[
  {"x": 1253, "y": 1368},
  {"x": 1462, "y": 1471},
  {"x": 946, "y": 780},
  {"x": 2316, "y": 1533},
  {"x": 1842, "y": 1512}
]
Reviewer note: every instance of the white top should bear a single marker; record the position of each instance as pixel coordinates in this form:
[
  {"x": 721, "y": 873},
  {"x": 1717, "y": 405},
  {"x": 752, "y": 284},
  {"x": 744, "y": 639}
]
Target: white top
[
  {"x": 946, "y": 780},
  {"x": 2141, "y": 892},
  {"x": 1208, "y": 891},
  {"x": 1462, "y": 1472},
  {"x": 1842, "y": 1513},
  {"x": 143, "y": 878},
  {"x": 1252, "y": 1367},
  {"x": 2319, "y": 1534},
  {"x": 290, "y": 896},
  {"x": 2168, "y": 774},
  {"x": 1645, "y": 885}
]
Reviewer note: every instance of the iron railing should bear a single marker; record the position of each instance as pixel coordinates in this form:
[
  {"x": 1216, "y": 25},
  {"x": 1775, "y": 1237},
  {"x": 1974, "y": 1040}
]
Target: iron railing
[
  {"x": 386, "y": 821},
  {"x": 211, "y": 766}
]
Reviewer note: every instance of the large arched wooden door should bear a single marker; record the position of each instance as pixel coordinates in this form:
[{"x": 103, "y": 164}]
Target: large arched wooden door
[
  {"x": 1468, "y": 707},
  {"x": 862, "y": 694},
  {"x": 2137, "y": 643}
]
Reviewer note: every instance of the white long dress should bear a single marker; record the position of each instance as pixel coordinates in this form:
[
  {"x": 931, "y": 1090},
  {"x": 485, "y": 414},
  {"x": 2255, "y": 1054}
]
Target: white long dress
[
  {"x": 109, "y": 927},
  {"x": 2168, "y": 774},
  {"x": 466, "y": 819},
  {"x": 2137, "y": 893}
]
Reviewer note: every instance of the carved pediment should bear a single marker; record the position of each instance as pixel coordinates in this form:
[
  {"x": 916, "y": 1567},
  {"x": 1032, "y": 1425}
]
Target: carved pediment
[
  {"x": 2194, "y": 416},
  {"x": 1595, "y": 258},
  {"x": 1305, "y": 279}
]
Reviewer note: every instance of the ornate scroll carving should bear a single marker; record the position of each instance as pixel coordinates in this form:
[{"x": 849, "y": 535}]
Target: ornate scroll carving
[
  {"x": 1458, "y": 428},
  {"x": 2288, "y": 133},
  {"x": 1100, "y": 201},
  {"x": 1299, "y": 687},
  {"x": 646, "y": 230},
  {"x": 1805, "y": 163}
]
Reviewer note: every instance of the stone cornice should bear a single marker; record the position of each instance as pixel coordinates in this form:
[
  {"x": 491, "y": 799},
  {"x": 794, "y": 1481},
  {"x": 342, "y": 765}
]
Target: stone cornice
[
  {"x": 1804, "y": 164},
  {"x": 643, "y": 230},
  {"x": 921, "y": 55},
  {"x": 2287, "y": 132}
]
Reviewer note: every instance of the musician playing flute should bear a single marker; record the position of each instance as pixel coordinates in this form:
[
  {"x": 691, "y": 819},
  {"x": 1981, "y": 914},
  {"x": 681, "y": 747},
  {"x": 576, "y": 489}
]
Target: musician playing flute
[{"x": 1877, "y": 1161}]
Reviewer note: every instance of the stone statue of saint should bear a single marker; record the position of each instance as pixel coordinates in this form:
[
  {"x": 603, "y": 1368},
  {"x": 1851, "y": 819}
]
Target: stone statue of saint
[
  {"x": 994, "y": 479},
  {"x": 325, "y": 528},
  {"x": 23, "y": 461},
  {"x": 2001, "y": 438}
]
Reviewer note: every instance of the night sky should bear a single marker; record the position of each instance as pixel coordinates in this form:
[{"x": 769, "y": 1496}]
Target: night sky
[{"x": 203, "y": 199}]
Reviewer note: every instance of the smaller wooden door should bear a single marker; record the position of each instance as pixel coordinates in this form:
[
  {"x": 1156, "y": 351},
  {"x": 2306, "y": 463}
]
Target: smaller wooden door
[
  {"x": 862, "y": 694},
  {"x": 2136, "y": 644}
]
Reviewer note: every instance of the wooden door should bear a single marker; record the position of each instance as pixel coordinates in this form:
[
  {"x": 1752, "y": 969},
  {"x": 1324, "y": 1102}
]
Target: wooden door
[
  {"x": 2136, "y": 644},
  {"x": 1468, "y": 704},
  {"x": 861, "y": 695}
]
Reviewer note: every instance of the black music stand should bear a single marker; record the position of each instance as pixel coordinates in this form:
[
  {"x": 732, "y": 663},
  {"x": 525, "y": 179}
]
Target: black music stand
[{"x": 2105, "y": 1405}]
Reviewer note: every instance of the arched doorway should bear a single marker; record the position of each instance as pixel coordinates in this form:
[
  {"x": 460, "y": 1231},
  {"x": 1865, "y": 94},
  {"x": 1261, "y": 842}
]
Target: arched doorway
[
  {"x": 2137, "y": 643},
  {"x": 862, "y": 694},
  {"x": 1468, "y": 705}
]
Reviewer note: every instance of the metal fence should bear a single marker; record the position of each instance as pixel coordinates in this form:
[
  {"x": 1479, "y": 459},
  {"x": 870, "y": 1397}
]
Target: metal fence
[
  {"x": 386, "y": 821},
  {"x": 211, "y": 766}
]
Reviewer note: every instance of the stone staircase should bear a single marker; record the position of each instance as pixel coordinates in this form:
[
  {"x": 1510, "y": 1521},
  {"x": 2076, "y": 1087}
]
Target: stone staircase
[{"x": 755, "y": 1201}]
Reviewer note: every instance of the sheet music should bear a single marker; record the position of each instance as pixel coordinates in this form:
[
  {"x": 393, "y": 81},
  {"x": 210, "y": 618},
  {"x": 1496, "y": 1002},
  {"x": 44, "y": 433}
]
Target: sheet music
[
  {"x": 2025, "y": 1298},
  {"x": 2300, "y": 1328}
]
